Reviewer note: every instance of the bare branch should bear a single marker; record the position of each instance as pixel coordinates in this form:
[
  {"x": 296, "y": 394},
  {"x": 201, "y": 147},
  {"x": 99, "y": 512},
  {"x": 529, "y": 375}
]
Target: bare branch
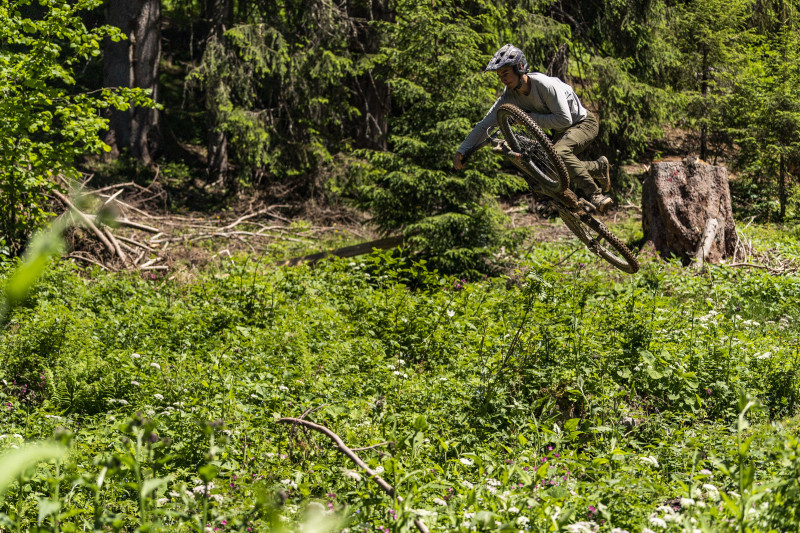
[{"x": 342, "y": 447}]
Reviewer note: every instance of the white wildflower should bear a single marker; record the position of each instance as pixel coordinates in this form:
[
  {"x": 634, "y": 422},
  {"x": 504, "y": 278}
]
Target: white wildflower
[
  {"x": 687, "y": 502},
  {"x": 451, "y": 313},
  {"x": 156, "y": 366},
  {"x": 396, "y": 372},
  {"x": 439, "y": 501},
  {"x": 401, "y": 361},
  {"x": 158, "y": 396},
  {"x": 493, "y": 482},
  {"x": 200, "y": 489},
  {"x": 283, "y": 387},
  {"x": 465, "y": 461},
  {"x": 135, "y": 383},
  {"x": 706, "y": 472},
  {"x": 135, "y": 355},
  {"x": 658, "y": 522},
  {"x": 650, "y": 460},
  {"x": 469, "y": 516},
  {"x": 216, "y": 497},
  {"x": 352, "y": 474},
  {"x": 379, "y": 469},
  {"x": 765, "y": 355},
  {"x": 583, "y": 527},
  {"x": 173, "y": 494},
  {"x": 513, "y": 510},
  {"x": 467, "y": 484},
  {"x": 391, "y": 367},
  {"x": 647, "y": 530},
  {"x": 289, "y": 483},
  {"x": 423, "y": 512},
  {"x": 712, "y": 492},
  {"x": 161, "y": 501},
  {"x": 619, "y": 530},
  {"x": 122, "y": 402},
  {"x": 492, "y": 490},
  {"x": 523, "y": 521}
]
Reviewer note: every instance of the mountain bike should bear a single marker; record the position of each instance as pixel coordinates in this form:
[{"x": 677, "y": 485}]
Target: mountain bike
[{"x": 520, "y": 140}]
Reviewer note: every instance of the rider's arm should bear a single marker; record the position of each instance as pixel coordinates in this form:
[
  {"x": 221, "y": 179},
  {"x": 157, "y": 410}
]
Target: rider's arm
[{"x": 478, "y": 133}]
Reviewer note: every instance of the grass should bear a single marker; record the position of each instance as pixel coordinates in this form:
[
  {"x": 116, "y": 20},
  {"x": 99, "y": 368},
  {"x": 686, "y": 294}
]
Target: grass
[{"x": 567, "y": 398}]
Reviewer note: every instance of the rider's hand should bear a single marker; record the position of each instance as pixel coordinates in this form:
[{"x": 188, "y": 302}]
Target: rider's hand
[{"x": 458, "y": 161}]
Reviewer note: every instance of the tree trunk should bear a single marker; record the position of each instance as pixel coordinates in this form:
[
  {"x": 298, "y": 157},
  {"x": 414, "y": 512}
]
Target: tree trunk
[
  {"x": 372, "y": 96},
  {"x": 134, "y": 63},
  {"x": 782, "y": 187},
  {"x": 678, "y": 201},
  {"x": 219, "y": 15},
  {"x": 704, "y": 123}
]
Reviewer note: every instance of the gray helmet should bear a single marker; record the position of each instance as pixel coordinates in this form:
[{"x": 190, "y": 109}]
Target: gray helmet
[{"x": 509, "y": 56}]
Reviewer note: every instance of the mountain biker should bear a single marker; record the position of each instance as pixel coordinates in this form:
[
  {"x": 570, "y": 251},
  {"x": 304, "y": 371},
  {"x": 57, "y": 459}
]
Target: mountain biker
[{"x": 553, "y": 105}]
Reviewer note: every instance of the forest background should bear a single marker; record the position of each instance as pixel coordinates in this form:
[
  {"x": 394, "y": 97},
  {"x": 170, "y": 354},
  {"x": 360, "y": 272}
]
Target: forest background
[
  {"x": 495, "y": 386},
  {"x": 360, "y": 103}
]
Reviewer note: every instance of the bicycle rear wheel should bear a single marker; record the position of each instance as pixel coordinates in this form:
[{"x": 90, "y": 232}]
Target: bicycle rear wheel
[
  {"x": 540, "y": 161},
  {"x": 599, "y": 240}
]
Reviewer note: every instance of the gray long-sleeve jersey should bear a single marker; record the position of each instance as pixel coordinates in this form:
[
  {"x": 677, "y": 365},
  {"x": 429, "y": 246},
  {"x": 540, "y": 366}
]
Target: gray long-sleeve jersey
[{"x": 552, "y": 104}]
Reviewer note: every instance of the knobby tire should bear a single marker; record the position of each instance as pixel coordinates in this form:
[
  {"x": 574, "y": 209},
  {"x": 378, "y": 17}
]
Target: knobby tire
[
  {"x": 540, "y": 161},
  {"x": 599, "y": 239}
]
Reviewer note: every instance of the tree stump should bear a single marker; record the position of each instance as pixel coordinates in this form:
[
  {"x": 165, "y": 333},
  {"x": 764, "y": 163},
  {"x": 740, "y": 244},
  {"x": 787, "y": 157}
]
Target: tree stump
[{"x": 686, "y": 211}]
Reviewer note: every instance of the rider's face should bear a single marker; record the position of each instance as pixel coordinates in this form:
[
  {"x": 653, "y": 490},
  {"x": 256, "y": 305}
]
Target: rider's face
[{"x": 507, "y": 76}]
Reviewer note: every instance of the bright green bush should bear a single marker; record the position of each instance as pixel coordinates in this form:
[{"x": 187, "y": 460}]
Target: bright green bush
[{"x": 540, "y": 400}]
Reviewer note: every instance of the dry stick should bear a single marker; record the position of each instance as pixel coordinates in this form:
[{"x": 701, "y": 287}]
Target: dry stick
[
  {"x": 150, "y": 262},
  {"x": 74, "y": 255},
  {"x": 86, "y": 220},
  {"x": 135, "y": 243},
  {"x": 113, "y": 196},
  {"x": 124, "y": 204},
  {"x": 116, "y": 245},
  {"x": 342, "y": 447},
  {"x": 243, "y": 218}
]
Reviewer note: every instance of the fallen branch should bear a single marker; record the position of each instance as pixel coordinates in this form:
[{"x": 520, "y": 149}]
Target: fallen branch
[
  {"x": 134, "y": 243},
  {"x": 342, "y": 447},
  {"x": 75, "y": 255},
  {"x": 116, "y": 245},
  {"x": 347, "y": 251},
  {"x": 87, "y": 221}
]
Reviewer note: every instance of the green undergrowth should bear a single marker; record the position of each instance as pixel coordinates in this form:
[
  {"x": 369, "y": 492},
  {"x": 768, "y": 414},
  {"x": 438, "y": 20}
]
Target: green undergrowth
[{"x": 561, "y": 397}]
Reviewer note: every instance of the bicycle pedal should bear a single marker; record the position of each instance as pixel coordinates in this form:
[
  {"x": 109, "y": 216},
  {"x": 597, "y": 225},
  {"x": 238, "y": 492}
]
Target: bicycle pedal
[
  {"x": 587, "y": 205},
  {"x": 500, "y": 146}
]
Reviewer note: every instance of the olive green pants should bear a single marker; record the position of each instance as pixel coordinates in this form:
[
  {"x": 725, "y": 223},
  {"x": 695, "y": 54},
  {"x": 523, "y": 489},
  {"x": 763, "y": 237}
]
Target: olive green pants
[{"x": 570, "y": 143}]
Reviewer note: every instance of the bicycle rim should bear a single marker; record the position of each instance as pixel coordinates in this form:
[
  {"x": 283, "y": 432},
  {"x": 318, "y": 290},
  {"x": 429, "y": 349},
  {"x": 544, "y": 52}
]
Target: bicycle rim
[
  {"x": 540, "y": 161},
  {"x": 599, "y": 240}
]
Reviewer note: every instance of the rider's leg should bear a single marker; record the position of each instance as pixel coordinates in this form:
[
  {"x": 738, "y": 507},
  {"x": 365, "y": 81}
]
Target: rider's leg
[{"x": 571, "y": 143}]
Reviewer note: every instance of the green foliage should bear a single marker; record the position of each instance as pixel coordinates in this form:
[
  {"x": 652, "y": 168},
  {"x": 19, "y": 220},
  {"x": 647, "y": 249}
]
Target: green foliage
[
  {"x": 44, "y": 127},
  {"x": 276, "y": 85},
  {"x": 433, "y": 63},
  {"x": 551, "y": 397}
]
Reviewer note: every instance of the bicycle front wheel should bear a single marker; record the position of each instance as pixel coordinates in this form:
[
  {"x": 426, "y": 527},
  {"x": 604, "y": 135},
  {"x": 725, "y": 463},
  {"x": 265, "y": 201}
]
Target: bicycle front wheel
[
  {"x": 599, "y": 240},
  {"x": 540, "y": 161}
]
